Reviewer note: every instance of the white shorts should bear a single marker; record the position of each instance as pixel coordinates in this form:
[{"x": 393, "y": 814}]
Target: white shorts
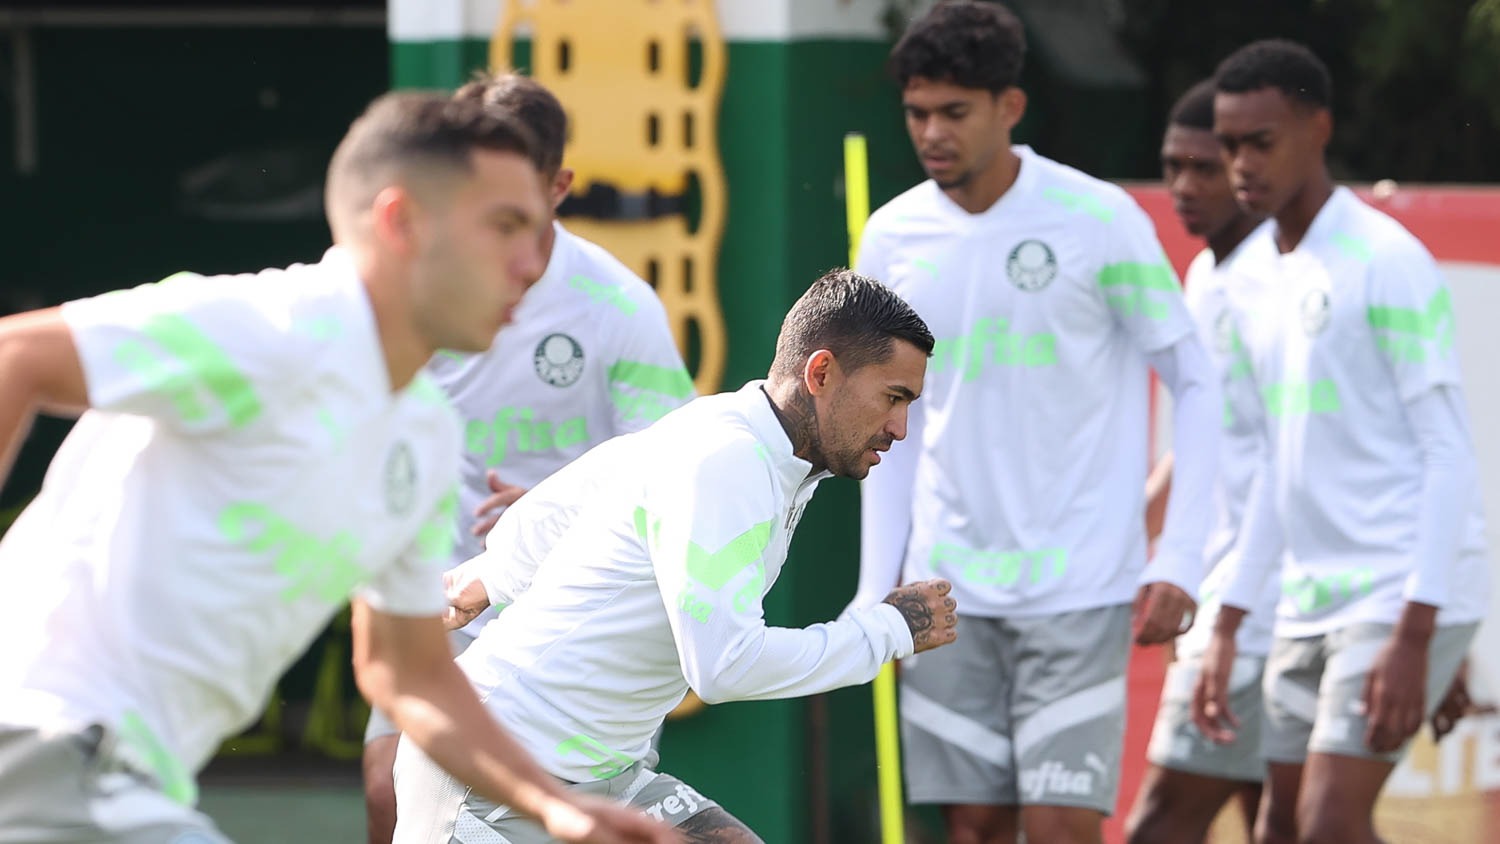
[
  {"x": 72, "y": 788},
  {"x": 1176, "y": 743},
  {"x": 1019, "y": 712},
  {"x": 1314, "y": 689},
  {"x": 434, "y": 808}
]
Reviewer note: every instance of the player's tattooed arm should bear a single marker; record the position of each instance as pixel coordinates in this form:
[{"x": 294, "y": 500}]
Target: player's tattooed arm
[
  {"x": 716, "y": 826},
  {"x": 930, "y": 613}
]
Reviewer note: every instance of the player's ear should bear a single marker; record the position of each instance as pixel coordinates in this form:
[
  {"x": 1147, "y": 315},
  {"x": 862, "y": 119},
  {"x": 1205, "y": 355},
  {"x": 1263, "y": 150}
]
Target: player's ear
[
  {"x": 561, "y": 184},
  {"x": 820, "y": 372},
  {"x": 1012, "y": 106},
  {"x": 393, "y": 215},
  {"x": 1322, "y": 127}
]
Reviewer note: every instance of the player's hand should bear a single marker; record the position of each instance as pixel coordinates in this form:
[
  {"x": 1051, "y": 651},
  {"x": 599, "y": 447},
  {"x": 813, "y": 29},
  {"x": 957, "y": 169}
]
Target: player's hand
[
  {"x": 931, "y": 615},
  {"x": 502, "y": 495},
  {"x": 1395, "y": 694},
  {"x": 466, "y": 598},
  {"x": 1211, "y": 710},
  {"x": 583, "y": 819},
  {"x": 1161, "y": 613},
  {"x": 1456, "y": 704}
]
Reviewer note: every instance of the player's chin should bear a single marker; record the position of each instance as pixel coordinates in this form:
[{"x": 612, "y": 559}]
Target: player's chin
[{"x": 859, "y": 468}]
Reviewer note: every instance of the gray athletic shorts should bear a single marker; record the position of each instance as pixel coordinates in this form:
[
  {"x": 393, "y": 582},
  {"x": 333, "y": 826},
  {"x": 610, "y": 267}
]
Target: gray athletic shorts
[
  {"x": 1314, "y": 689},
  {"x": 71, "y": 788},
  {"x": 380, "y": 724},
  {"x": 1017, "y": 712},
  {"x": 1176, "y": 742},
  {"x": 434, "y": 808}
]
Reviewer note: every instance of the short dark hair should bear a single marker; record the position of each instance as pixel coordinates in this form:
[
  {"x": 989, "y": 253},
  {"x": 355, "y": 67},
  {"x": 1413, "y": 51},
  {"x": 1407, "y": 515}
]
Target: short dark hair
[
  {"x": 417, "y": 136},
  {"x": 1195, "y": 108},
  {"x": 1277, "y": 63},
  {"x": 967, "y": 43},
  {"x": 853, "y": 316},
  {"x": 526, "y": 100}
]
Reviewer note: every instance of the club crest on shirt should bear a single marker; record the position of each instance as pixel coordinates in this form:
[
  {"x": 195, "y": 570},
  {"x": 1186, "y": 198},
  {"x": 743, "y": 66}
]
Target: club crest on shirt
[
  {"x": 400, "y": 479},
  {"x": 1315, "y": 308},
  {"x": 559, "y": 360},
  {"x": 1031, "y": 265}
]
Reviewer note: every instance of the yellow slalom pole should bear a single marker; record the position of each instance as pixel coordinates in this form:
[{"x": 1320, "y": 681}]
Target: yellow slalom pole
[{"x": 887, "y": 740}]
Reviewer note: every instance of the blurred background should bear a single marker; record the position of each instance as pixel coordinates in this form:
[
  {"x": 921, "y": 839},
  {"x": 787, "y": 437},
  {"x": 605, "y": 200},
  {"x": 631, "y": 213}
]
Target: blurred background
[{"x": 140, "y": 139}]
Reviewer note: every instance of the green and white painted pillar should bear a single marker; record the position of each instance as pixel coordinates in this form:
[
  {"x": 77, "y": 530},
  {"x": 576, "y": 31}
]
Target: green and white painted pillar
[{"x": 438, "y": 43}]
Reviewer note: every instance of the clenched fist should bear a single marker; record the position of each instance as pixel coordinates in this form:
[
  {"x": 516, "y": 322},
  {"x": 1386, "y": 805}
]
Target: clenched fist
[{"x": 929, "y": 612}]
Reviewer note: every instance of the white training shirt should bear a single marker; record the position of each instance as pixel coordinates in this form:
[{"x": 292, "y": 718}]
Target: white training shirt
[
  {"x": 1022, "y": 476},
  {"x": 1347, "y": 334},
  {"x": 638, "y": 572},
  {"x": 1241, "y": 450},
  {"x": 588, "y": 356},
  {"x": 244, "y": 470}
]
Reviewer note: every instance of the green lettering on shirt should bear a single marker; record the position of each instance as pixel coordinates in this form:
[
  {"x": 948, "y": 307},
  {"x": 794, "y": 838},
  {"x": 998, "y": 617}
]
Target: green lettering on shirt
[
  {"x": 493, "y": 438},
  {"x": 609, "y": 763},
  {"x": 1314, "y": 594},
  {"x": 998, "y": 568},
  {"x": 1297, "y": 399},
  {"x": 327, "y": 569},
  {"x": 1089, "y": 205},
  {"x": 991, "y": 342},
  {"x": 191, "y": 361}
]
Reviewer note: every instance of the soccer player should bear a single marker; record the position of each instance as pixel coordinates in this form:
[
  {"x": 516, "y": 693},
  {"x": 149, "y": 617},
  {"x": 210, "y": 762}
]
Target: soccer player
[
  {"x": 256, "y": 450},
  {"x": 1189, "y": 777},
  {"x": 638, "y": 572},
  {"x": 1049, "y": 297},
  {"x": 1369, "y": 484},
  {"x": 589, "y": 356}
]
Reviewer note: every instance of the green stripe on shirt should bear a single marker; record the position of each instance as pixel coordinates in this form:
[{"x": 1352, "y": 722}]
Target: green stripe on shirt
[
  {"x": 668, "y": 380},
  {"x": 1136, "y": 274},
  {"x": 714, "y": 568},
  {"x": 1425, "y": 323},
  {"x": 206, "y": 362}
]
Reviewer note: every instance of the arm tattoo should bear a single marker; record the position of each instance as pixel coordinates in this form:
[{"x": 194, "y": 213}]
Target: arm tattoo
[
  {"x": 716, "y": 826},
  {"x": 916, "y": 612}
]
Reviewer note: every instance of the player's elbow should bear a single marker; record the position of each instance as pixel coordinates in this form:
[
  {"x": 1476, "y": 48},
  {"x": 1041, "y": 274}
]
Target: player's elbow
[
  {"x": 375, "y": 680},
  {"x": 732, "y": 675}
]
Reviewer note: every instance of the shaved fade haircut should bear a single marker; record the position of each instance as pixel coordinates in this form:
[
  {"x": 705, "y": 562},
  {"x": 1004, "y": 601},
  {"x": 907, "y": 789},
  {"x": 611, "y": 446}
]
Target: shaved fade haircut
[
  {"x": 1277, "y": 63},
  {"x": 853, "y": 316},
  {"x": 422, "y": 141},
  {"x": 1195, "y": 108},
  {"x": 527, "y": 100}
]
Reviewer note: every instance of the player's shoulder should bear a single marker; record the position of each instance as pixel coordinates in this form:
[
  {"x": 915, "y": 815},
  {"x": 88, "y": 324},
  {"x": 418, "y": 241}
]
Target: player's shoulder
[
  {"x": 1367, "y": 234},
  {"x": 426, "y": 399},
  {"x": 712, "y": 437},
  {"x": 1065, "y": 189},
  {"x": 1203, "y": 276},
  {"x": 613, "y": 289},
  {"x": 910, "y": 207}
]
